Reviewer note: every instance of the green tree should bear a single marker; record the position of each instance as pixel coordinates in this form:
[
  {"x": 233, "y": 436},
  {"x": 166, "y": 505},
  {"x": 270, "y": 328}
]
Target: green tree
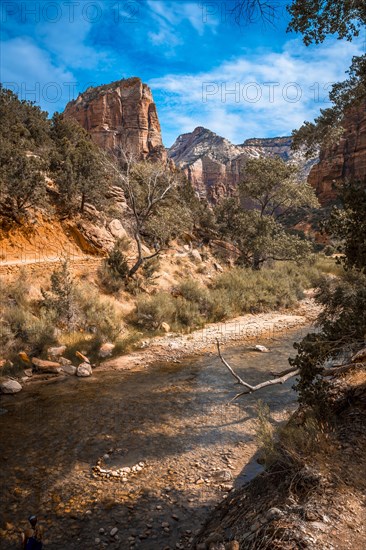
[
  {"x": 343, "y": 300},
  {"x": 347, "y": 225},
  {"x": 316, "y": 19},
  {"x": 78, "y": 166},
  {"x": 23, "y": 185},
  {"x": 268, "y": 191},
  {"x": 24, "y": 142},
  {"x": 327, "y": 128},
  {"x": 61, "y": 300},
  {"x": 158, "y": 211}
]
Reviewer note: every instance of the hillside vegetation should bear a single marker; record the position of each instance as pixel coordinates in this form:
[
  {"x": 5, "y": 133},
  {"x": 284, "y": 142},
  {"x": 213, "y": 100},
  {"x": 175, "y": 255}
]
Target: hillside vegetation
[{"x": 166, "y": 259}]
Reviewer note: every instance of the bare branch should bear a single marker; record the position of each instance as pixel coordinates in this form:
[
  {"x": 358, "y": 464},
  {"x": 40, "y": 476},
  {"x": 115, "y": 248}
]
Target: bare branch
[
  {"x": 250, "y": 11},
  {"x": 282, "y": 372},
  {"x": 334, "y": 371},
  {"x": 249, "y": 388}
]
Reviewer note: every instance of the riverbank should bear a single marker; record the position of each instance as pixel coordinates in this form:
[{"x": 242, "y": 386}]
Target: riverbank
[
  {"x": 245, "y": 329},
  {"x": 313, "y": 495},
  {"x": 173, "y": 417}
]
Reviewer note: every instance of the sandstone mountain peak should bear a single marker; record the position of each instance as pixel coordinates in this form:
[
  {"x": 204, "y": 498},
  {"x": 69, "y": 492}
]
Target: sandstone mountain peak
[
  {"x": 120, "y": 116},
  {"x": 214, "y": 165}
]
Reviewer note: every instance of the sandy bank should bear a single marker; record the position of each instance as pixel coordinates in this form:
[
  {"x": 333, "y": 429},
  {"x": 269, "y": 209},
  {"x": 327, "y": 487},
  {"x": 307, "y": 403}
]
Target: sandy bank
[{"x": 244, "y": 329}]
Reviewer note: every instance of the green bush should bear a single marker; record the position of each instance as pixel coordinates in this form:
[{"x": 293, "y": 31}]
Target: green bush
[
  {"x": 245, "y": 290},
  {"x": 97, "y": 315},
  {"x": 114, "y": 271},
  {"x": 187, "y": 314},
  {"x": 22, "y": 325},
  {"x": 220, "y": 306},
  {"x": 238, "y": 291},
  {"x": 154, "y": 310}
]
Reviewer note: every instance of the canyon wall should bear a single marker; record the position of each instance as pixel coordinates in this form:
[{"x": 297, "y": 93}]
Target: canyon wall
[{"x": 345, "y": 160}]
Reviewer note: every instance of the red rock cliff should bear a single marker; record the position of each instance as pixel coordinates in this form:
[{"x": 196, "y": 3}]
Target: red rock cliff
[
  {"x": 215, "y": 166},
  {"x": 345, "y": 160},
  {"x": 120, "y": 116}
]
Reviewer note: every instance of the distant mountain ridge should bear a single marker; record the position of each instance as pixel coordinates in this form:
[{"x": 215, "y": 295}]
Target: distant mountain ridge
[{"x": 215, "y": 166}]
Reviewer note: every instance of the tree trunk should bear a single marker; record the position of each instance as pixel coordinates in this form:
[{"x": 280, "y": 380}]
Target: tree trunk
[
  {"x": 256, "y": 265},
  {"x": 135, "y": 268}
]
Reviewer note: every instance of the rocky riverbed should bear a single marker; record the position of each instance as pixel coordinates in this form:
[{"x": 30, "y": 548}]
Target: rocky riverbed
[{"x": 172, "y": 420}]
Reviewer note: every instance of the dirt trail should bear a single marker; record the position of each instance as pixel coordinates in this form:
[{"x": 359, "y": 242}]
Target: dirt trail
[{"x": 34, "y": 265}]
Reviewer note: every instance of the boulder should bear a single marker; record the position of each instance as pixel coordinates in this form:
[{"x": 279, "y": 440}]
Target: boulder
[
  {"x": 218, "y": 267},
  {"x": 10, "y": 386},
  {"x": 145, "y": 249},
  {"x": 84, "y": 370},
  {"x": 97, "y": 236},
  {"x": 82, "y": 357},
  {"x": 106, "y": 350},
  {"x": 261, "y": 349},
  {"x": 117, "y": 229},
  {"x": 57, "y": 351},
  {"x": 195, "y": 255},
  {"x": 41, "y": 365},
  {"x": 69, "y": 369},
  {"x": 64, "y": 361},
  {"x": 165, "y": 327},
  {"x": 222, "y": 475},
  {"x": 24, "y": 356}
]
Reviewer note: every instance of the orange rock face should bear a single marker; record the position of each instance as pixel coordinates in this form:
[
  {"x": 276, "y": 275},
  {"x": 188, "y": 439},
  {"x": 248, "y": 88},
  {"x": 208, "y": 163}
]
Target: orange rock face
[
  {"x": 345, "y": 160},
  {"x": 120, "y": 116}
]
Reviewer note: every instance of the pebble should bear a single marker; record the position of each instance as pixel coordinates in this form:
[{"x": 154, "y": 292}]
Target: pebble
[{"x": 113, "y": 531}]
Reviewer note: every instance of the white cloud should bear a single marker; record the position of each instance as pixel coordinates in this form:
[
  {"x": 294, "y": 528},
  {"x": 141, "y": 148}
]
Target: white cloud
[
  {"x": 291, "y": 87},
  {"x": 169, "y": 15},
  {"x": 30, "y": 72}
]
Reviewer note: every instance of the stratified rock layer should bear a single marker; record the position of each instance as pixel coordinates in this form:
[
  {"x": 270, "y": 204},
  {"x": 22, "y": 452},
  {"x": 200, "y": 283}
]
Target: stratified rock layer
[
  {"x": 120, "y": 116},
  {"x": 215, "y": 166},
  {"x": 343, "y": 161}
]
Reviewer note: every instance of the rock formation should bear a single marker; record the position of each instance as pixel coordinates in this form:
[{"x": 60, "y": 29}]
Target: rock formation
[
  {"x": 345, "y": 160},
  {"x": 215, "y": 166},
  {"x": 120, "y": 116}
]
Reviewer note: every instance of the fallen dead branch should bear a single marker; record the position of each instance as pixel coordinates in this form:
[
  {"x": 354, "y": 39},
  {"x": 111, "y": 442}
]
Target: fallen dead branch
[
  {"x": 252, "y": 389},
  {"x": 282, "y": 376}
]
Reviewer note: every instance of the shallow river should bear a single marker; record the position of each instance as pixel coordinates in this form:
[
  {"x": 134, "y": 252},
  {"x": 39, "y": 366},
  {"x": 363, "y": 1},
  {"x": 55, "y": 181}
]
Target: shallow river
[{"x": 174, "y": 417}]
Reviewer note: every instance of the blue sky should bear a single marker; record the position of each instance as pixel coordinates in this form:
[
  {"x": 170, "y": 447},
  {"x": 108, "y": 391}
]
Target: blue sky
[{"x": 204, "y": 70}]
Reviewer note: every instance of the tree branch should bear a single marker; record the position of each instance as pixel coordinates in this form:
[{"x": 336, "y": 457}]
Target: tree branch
[{"x": 252, "y": 389}]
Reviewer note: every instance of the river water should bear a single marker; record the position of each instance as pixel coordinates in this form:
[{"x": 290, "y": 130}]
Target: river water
[{"x": 175, "y": 417}]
